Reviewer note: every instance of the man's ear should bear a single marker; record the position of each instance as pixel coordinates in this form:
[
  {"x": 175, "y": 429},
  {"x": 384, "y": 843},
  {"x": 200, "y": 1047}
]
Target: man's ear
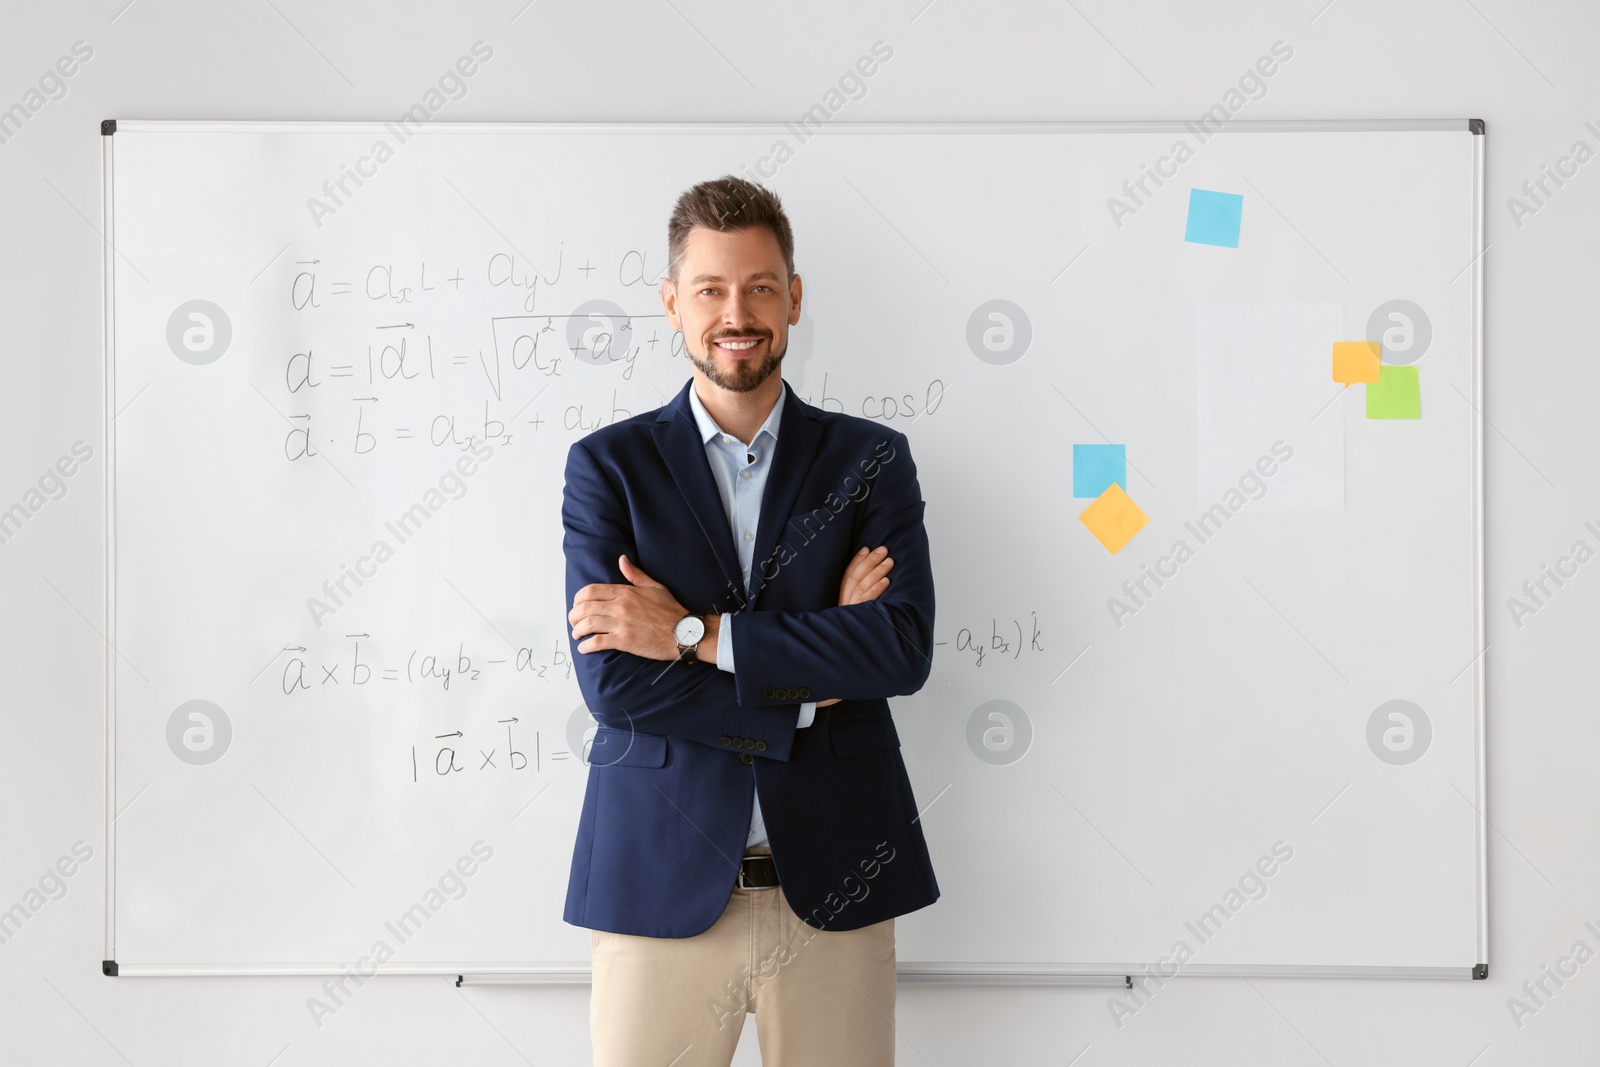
[
  {"x": 669, "y": 303},
  {"x": 794, "y": 299}
]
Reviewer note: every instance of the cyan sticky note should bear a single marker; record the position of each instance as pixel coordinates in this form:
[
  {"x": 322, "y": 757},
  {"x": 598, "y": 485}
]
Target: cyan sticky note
[
  {"x": 1096, "y": 467},
  {"x": 1214, "y": 218},
  {"x": 1395, "y": 395}
]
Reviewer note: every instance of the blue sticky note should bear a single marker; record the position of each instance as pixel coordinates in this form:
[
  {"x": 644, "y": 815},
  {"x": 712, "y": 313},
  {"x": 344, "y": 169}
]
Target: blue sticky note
[
  {"x": 1213, "y": 218},
  {"x": 1095, "y": 467}
]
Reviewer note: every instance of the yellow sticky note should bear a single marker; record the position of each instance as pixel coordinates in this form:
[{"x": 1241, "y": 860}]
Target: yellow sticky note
[
  {"x": 1113, "y": 518},
  {"x": 1355, "y": 361}
]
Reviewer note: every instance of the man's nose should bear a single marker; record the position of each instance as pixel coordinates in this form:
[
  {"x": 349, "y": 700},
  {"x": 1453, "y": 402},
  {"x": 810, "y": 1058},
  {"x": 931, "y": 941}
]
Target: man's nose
[{"x": 737, "y": 312}]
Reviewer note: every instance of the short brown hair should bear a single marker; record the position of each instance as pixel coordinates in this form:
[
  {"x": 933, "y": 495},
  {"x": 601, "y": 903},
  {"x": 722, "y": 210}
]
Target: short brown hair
[{"x": 725, "y": 204}]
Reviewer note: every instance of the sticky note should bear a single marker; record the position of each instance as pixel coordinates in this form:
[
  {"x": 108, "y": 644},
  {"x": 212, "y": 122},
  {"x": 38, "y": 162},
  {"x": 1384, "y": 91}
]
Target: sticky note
[
  {"x": 1095, "y": 467},
  {"x": 1213, "y": 218},
  {"x": 1356, "y": 361},
  {"x": 1113, "y": 518},
  {"x": 1395, "y": 394}
]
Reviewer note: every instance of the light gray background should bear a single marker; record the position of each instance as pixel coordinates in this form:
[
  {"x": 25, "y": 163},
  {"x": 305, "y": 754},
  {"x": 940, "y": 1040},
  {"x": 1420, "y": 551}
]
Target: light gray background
[{"x": 1526, "y": 69}]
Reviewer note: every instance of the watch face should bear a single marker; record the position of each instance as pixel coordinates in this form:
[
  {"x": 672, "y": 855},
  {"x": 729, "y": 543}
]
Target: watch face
[{"x": 689, "y": 630}]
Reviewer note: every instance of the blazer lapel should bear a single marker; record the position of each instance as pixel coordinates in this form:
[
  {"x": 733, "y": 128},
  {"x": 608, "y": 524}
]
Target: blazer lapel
[
  {"x": 677, "y": 435},
  {"x": 798, "y": 437}
]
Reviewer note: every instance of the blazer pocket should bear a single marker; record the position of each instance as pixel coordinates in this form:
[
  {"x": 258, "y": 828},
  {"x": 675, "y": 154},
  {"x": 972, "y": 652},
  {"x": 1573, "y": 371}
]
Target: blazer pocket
[
  {"x": 619, "y": 748},
  {"x": 863, "y": 735}
]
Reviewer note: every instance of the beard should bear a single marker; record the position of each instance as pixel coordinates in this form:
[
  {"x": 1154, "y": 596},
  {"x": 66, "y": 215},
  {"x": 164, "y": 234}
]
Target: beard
[{"x": 745, "y": 375}]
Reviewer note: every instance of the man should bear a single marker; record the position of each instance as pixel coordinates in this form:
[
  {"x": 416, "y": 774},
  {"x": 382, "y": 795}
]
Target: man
[{"x": 748, "y": 831}]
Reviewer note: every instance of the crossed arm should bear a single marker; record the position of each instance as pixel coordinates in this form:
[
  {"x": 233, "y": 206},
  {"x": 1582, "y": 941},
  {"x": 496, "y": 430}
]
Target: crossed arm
[
  {"x": 639, "y": 617},
  {"x": 626, "y": 656}
]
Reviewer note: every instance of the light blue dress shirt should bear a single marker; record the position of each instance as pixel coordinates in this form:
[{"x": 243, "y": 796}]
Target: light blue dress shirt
[{"x": 740, "y": 471}]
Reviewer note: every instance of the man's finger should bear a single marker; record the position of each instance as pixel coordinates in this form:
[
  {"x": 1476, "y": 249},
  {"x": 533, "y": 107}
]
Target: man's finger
[
  {"x": 637, "y": 577},
  {"x": 860, "y": 573},
  {"x": 594, "y": 626},
  {"x": 600, "y": 617}
]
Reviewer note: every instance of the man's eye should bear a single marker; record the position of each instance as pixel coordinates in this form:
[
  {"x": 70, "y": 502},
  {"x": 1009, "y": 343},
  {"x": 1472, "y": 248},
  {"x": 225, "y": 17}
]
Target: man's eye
[
  {"x": 764, "y": 288},
  {"x": 703, "y": 292}
]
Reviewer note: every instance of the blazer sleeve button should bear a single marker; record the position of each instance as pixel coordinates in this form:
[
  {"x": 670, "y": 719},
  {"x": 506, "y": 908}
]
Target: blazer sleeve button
[
  {"x": 767, "y": 693},
  {"x": 761, "y": 746},
  {"x": 727, "y": 740}
]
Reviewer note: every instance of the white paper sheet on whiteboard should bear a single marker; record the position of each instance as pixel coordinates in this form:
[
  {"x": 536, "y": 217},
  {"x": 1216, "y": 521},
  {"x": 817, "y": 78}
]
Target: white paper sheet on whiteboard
[{"x": 1263, "y": 375}]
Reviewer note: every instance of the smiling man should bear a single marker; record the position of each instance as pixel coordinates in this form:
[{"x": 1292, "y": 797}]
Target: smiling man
[{"x": 748, "y": 832}]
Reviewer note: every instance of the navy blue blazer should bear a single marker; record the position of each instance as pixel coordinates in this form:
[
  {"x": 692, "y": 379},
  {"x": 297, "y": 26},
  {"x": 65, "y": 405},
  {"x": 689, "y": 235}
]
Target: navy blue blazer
[{"x": 666, "y": 810}]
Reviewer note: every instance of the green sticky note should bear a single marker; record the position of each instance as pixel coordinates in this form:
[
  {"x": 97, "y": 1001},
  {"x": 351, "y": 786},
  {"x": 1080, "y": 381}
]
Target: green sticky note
[{"x": 1395, "y": 394}]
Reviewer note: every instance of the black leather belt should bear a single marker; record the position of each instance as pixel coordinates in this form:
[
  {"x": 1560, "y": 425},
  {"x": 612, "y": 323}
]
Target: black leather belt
[{"x": 757, "y": 872}]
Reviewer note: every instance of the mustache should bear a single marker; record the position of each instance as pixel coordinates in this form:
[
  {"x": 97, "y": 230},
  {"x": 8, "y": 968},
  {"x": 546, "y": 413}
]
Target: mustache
[{"x": 739, "y": 335}]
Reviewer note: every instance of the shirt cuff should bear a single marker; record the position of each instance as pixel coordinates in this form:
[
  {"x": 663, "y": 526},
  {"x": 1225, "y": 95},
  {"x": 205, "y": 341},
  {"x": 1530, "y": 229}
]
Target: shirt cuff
[
  {"x": 725, "y": 644},
  {"x": 808, "y": 713}
]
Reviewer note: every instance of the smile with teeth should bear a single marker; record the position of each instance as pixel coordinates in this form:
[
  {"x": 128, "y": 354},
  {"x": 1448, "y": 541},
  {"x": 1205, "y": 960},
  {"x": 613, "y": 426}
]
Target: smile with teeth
[{"x": 738, "y": 344}]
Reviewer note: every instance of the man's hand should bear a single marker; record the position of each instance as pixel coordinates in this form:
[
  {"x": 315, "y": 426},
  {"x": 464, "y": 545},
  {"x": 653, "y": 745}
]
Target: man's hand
[
  {"x": 865, "y": 579},
  {"x": 636, "y": 618}
]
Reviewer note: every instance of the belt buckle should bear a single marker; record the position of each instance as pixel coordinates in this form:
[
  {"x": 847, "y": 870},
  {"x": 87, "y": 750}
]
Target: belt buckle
[{"x": 742, "y": 884}]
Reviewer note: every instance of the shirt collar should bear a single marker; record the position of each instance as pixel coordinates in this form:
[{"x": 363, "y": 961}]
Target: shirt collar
[{"x": 708, "y": 425}]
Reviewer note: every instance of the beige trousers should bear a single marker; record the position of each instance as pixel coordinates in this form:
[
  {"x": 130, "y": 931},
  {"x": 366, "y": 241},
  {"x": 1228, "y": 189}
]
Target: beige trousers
[{"x": 824, "y": 998}]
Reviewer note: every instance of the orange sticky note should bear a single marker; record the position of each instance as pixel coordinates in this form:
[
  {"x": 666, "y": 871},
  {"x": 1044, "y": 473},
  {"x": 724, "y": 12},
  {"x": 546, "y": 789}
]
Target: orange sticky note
[
  {"x": 1355, "y": 361},
  {"x": 1113, "y": 518}
]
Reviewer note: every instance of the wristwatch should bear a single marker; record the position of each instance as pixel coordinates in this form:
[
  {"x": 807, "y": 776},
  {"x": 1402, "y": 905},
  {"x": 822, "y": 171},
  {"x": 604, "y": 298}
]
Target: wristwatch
[{"x": 688, "y": 632}]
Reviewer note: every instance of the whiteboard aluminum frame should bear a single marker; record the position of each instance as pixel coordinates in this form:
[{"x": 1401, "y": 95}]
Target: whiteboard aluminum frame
[
  {"x": 924, "y": 972},
  {"x": 1480, "y": 241},
  {"x": 108, "y": 313}
]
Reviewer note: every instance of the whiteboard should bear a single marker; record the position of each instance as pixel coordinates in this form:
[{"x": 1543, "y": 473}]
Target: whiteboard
[{"x": 342, "y": 728}]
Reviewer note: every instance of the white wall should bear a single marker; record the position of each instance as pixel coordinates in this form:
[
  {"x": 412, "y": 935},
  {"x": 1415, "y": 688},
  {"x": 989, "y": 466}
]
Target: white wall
[{"x": 1527, "y": 68}]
